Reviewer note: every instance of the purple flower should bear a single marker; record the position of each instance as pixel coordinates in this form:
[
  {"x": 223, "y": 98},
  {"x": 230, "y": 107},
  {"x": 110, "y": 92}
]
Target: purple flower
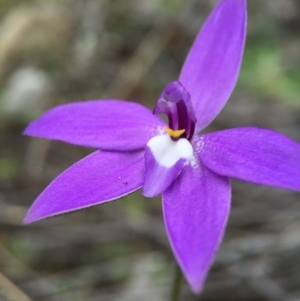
[{"x": 190, "y": 170}]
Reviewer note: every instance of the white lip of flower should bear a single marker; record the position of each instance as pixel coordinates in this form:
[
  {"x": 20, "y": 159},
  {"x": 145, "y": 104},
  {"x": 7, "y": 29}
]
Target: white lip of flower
[{"x": 167, "y": 152}]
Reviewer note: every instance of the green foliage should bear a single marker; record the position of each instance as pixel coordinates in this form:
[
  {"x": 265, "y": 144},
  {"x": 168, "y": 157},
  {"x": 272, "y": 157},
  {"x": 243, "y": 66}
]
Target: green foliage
[
  {"x": 264, "y": 73},
  {"x": 8, "y": 168}
]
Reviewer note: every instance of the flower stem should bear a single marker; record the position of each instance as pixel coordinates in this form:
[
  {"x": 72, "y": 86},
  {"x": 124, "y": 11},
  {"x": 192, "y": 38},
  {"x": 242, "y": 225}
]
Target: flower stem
[{"x": 176, "y": 287}]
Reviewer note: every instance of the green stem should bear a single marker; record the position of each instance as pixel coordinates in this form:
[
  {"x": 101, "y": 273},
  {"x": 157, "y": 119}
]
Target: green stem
[{"x": 176, "y": 287}]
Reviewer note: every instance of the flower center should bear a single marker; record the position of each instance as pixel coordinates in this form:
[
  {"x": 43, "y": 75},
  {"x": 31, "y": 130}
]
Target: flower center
[
  {"x": 175, "y": 102},
  {"x": 174, "y": 134}
]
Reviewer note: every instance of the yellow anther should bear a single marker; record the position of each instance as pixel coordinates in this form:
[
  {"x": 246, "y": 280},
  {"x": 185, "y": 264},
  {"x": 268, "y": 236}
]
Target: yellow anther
[{"x": 174, "y": 134}]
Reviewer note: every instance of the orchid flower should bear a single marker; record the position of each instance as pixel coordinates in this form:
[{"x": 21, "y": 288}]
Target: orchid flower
[{"x": 136, "y": 149}]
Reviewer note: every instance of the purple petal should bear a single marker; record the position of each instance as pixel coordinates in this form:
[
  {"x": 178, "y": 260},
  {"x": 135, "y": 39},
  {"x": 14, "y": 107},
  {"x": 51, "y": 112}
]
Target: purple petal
[
  {"x": 108, "y": 125},
  {"x": 157, "y": 177},
  {"x": 164, "y": 160},
  {"x": 252, "y": 154},
  {"x": 98, "y": 178},
  {"x": 212, "y": 66},
  {"x": 196, "y": 208}
]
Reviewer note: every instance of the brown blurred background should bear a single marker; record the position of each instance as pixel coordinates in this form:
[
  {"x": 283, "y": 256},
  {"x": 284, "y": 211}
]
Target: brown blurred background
[{"x": 58, "y": 51}]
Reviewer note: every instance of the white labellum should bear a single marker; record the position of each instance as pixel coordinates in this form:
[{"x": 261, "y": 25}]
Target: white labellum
[{"x": 167, "y": 152}]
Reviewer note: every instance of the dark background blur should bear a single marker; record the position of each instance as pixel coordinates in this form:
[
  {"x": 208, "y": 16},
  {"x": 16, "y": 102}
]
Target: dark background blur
[{"x": 54, "y": 52}]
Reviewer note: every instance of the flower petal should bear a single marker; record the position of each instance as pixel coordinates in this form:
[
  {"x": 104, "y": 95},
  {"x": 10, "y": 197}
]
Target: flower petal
[
  {"x": 108, "y": 125},
  {"x": 252, "y": 154},
  {"x": 98, "y": 178},
  {"x": 196, "y": 208},
  {"x": 164, "y": 160},
  {"x": 212, "y": 66}
]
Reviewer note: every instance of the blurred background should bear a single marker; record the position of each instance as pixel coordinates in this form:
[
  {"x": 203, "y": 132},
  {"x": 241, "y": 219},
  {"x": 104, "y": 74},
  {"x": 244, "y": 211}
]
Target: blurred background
[{"x": 59, "y": 51}]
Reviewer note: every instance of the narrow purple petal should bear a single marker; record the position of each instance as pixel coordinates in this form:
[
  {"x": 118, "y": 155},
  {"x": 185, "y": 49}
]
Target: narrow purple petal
[
  {"x": 212, "y": 66},
  {"x": 104, "y": 124},
  {"x": 196, "y": 208},
  {"x": 98, "y": 178},
  {"x": 251, "y": 154}
]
